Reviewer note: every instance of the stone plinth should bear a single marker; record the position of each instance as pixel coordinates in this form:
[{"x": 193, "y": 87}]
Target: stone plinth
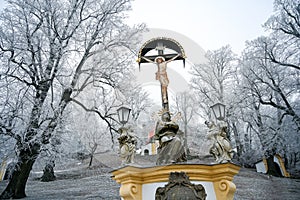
[{"x": 140, "y": 183}]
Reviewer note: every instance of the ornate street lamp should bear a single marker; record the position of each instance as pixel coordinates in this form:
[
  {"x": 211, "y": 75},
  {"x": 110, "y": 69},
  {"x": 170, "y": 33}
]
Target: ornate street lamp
[
  {"x": 127, "y": 140},
  {"x": 219, "y": 111},
  {"x": 123, "y": 114}
]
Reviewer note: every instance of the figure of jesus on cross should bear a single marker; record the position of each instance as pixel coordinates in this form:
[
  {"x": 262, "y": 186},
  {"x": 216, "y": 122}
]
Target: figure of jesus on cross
[
  {"x": 161, "y": 74},
  {"x": 168, "y": 50}
]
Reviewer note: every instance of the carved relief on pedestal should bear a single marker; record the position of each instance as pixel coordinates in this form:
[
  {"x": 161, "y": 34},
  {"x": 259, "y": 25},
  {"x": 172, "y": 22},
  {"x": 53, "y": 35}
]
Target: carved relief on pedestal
[{"x": 180, "y": 187}]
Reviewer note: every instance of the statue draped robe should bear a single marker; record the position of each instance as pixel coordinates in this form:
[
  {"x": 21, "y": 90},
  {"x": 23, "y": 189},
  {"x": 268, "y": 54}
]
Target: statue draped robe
[{"x": 171, "y": 149}]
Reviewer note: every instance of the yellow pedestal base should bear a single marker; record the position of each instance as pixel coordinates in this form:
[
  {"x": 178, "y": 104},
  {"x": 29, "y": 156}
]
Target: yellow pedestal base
[{"x": 133, "y": 178}]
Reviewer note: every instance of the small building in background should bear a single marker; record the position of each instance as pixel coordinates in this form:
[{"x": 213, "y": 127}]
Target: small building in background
[
  {"x": 262, "y": 166},
  {"x": 150, "y": 148}
]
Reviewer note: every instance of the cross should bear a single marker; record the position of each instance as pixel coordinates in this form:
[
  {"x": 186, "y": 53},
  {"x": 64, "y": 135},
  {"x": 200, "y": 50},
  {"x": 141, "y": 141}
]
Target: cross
[{"x": 161, "y": 73}]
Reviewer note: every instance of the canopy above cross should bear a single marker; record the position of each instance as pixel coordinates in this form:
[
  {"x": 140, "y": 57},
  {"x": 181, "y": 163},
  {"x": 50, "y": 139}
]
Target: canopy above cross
[{"x": 160, "y": 44}]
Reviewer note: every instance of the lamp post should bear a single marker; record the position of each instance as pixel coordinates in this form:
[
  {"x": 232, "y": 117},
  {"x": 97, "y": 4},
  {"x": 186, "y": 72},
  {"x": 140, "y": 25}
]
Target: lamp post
[
  {"x": 126, "y": 140},
  {"x": 225, "y": 152},
  {"x": 218, "y": 111},
  {"x": 123, "y": 114}
]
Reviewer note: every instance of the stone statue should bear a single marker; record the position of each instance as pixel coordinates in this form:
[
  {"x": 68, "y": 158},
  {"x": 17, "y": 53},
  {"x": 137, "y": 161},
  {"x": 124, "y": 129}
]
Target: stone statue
[
  {"x": 127, "y": 143},
  {"x": 171, "y": 148},
  {"x": 220, "y": 148}
]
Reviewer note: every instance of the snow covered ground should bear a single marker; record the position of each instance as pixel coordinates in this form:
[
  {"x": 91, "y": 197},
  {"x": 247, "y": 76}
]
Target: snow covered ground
[{"x": 96, "y": 183}]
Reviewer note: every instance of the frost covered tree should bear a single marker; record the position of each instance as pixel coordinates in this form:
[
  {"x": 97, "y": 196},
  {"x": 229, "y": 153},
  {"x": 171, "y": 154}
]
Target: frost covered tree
[
  {"x": 270, "y": 85},
  {"x": 261, "y": 83},
  {"x": 284, "y": 25},
  {"x": 282, "y": 50},
  {"x": 138, "y": 100},
  {"x": 214, "y": 82},
  {"x": 186, "y": 105},
  {"x": 46, "y": 47},
  {"x": 211, "y": 80},
  {"x": 93, "y": 134}
]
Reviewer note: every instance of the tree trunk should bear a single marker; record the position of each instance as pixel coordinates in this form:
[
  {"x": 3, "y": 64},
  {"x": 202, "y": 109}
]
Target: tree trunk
[
  {"x": 91, "y": 160},
  {"x": 187, "y": 150},
  {"x": 48, "y": 174},
  {"x": 16, "y": 186},
  {"x": 239, "y": 145}
]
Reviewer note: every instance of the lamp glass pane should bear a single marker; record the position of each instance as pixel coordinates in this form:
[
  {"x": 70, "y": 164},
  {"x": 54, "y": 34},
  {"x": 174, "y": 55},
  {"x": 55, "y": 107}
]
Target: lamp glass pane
[
  {"x": 123, "y": 114},
  {"x": 222, "y": 111},
  {"x": 219, "y": 111}
]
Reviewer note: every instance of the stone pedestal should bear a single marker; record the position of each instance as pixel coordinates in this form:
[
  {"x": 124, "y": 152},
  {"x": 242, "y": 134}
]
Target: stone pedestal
[{"x": 140, "y": 183}]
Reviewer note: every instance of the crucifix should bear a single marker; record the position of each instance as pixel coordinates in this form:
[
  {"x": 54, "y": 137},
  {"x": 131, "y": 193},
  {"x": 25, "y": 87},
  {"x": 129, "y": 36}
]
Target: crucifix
[{"x": 161, "y": 60}]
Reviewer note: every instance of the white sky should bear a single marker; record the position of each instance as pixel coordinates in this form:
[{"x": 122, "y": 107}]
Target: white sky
[{"x": 210, "y": 23}]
